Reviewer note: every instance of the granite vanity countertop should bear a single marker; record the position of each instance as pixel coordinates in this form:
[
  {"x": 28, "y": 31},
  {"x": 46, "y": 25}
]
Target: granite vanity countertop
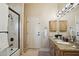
[{"x": 64, "y": 47}]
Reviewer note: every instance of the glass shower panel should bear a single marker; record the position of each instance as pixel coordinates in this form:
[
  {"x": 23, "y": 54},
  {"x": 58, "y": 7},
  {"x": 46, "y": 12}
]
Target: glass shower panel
[{"x": 13, "y": 32}]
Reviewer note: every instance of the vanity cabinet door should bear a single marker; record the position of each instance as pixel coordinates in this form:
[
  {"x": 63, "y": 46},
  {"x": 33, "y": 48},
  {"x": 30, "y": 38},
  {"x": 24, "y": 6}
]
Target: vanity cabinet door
[
  {"x": 71, "y": 53},
  {"x": 53, "y": 26},
  {"x": 52, "y": 48},
  {"x": 52, "y": 51}
]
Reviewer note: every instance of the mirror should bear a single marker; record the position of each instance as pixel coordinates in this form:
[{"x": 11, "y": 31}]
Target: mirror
[{"x": 73, "y": 22}]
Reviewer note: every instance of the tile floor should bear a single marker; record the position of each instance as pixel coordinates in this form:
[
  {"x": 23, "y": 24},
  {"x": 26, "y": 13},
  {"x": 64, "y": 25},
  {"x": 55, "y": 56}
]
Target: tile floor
[
  {"x": 44, "y": 53},
  {"x": 35, "y": 52},
  {"x": 31, "y": 52}
]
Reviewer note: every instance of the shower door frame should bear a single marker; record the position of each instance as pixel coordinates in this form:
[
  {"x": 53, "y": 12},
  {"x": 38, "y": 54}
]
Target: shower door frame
[{"x": 18, "y": 28}]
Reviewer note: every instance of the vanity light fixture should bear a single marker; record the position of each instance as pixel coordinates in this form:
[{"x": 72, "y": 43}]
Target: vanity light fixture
[{"x": 66, "y": 9}]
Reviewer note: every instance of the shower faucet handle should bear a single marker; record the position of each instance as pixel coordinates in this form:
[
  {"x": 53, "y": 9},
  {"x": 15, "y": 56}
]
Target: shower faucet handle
[
  {"x": 10, "y": 45},
  {"x": 11, "y": 49}
]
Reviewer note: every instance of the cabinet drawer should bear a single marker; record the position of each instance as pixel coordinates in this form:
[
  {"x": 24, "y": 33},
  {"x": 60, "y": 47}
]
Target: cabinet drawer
[{"x": 72, "y": 53}]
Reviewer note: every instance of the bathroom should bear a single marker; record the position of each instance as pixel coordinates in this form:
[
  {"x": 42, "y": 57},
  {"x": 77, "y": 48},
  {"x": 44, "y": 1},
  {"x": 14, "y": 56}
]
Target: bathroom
[{"x": 28, "y": 27}]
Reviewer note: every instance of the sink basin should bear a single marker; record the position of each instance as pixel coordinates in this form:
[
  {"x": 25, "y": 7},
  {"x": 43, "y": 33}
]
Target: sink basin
[
  {"x": 62, "y": 42},
  {"x": 58, "y": 40},
  {"x": 67, "y": 44}
]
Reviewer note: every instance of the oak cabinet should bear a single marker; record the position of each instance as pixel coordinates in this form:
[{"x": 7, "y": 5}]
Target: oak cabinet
[
  {"x": 53, "y": 49},
  {"x": 56, "y": 51},
  {"x": 53, "y": 26},
  {"x": 51, "y": 45}
]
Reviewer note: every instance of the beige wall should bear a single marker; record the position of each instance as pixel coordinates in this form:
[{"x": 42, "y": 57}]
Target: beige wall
[
  {"x": 44, "y": 12},
  {"x": 60, "y": 6}
]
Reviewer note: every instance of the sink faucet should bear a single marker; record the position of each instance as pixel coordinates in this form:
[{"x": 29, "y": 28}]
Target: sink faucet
[{"x": 72, "y": 39}]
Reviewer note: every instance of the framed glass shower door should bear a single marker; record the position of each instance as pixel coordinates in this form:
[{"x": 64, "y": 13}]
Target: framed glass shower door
[{"x": 13, "y": 31}]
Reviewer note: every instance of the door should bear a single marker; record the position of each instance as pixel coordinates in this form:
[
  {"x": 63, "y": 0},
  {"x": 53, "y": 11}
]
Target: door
[
  {"x": 34, "y": 33},
  {"x": 13, "y": 29}
]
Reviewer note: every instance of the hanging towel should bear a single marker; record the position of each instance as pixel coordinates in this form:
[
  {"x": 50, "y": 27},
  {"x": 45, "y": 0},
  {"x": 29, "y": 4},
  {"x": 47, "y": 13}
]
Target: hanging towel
[{"x": 3, "y": 41}]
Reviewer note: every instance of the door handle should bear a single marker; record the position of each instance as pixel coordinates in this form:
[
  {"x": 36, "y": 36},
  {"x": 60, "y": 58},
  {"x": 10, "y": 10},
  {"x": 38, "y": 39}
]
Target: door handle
[
  {"x": 38, "y": 33},
  {"x": 3, "y": 31}
]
